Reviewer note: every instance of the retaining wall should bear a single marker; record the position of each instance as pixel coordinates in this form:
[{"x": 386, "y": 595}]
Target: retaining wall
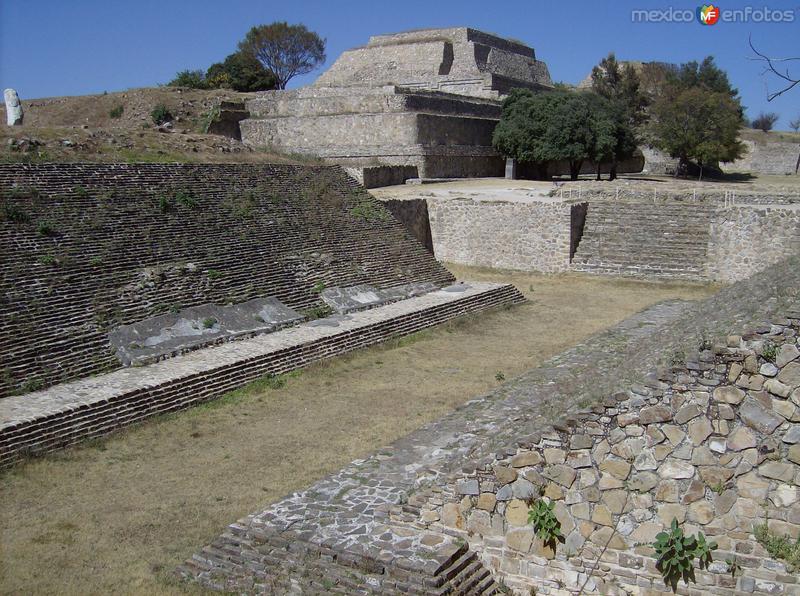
[
  {"x": 530, "y": 236},
  {"x": 745, "y": 239}
]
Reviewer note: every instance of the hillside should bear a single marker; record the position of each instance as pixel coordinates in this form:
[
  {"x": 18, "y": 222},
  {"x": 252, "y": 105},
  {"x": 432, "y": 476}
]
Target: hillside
[{"x": 82, "y": 128}]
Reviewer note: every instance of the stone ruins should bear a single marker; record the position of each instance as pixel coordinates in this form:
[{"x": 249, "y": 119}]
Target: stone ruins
[{"x": 415, "y": 104}]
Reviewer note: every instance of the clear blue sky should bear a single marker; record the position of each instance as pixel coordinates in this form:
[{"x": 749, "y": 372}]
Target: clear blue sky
[{"x": 75, "y": 47}]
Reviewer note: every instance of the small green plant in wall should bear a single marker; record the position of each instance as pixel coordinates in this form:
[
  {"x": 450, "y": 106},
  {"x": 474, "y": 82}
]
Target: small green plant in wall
[
  {"x": 545, "y": 523},
  {"x": 675, "y": 554}
]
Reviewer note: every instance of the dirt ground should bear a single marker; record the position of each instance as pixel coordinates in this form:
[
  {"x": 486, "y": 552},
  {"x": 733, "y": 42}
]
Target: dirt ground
[{"x": 117, "y": 516}]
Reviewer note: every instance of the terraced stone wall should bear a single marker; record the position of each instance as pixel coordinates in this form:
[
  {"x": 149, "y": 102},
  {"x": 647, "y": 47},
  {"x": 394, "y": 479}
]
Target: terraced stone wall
[
  {"x": 714, "y": 443},
  {"x": 86, "y": 248}
]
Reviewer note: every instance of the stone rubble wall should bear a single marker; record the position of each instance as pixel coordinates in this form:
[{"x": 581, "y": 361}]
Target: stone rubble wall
[
  {"x": 532, "y": 236},
  {"x": 713, "y": 443},
  {"x": 117, "y": 247},
  {"x": 745, "y": 239}
]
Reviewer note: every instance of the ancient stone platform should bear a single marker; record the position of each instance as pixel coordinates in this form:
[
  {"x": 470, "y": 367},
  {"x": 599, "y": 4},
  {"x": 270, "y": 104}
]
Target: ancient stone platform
[
  {"x": 414, "y": 104},
  {"x": 65, "y": 414},
  {"x": 387, "y": 524}
]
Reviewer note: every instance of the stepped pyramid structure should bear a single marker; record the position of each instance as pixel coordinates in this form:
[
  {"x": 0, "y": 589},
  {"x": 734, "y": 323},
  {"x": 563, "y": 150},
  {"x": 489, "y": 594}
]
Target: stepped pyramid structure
[{"x": 414, "y": 104}]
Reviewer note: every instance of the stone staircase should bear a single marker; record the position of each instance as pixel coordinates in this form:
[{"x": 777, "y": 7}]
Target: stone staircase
[{"x": 662, "y": 240}]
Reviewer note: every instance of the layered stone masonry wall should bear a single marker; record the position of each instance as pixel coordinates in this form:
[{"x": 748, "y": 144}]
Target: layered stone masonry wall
[
  {"x": 90, "y": 247},
  {"x": 714, "y": 444},
  {"x": 743, "y": 239},
  {"x": 530, "y": 236}
]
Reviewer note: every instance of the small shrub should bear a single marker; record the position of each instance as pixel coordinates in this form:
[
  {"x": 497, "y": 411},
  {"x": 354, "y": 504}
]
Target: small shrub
[
  {"x": 214, "y": 274},
  {"x": 32, "y": 385},
  {"x": 48, "y": 260},
  {"x": 499, "y": 376},
  {"x": 675, "y": 554},
  {"x": 96, "y": 261},
  {"x": 116, "y": 112},
  {"x": 46, "y": 229},
  {"x": 80, "y": 192},
  {"x": 164, "y": 204},
  {"x": 318, "y": 287},
  {"x": 241, "y": 206},
  {"x": 13, "y": 213},
  {"x": 161, "y": 114},
  {"x": 765, "y": 122},
  {"x": 545, "y": 523},
  {"x": 733, "y": 566},
  {"x": 769, "y": 351},
  {"x": 209, "y": 322},
  {"x": 779, "y": 547},
  {"x": 369, "y": 210},
  {"x": 184, "y": 198},
  {"x": 207, "y": 118},
  {"x": 317, "y": 312}
]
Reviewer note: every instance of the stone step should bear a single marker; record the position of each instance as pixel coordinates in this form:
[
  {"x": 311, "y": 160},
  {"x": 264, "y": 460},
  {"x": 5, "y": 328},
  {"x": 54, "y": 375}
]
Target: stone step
[{"x": 633, "y": 271}]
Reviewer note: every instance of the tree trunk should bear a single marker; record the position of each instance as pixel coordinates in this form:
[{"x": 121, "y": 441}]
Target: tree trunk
[
  {"x": 612, "y": 173},
  {"x": 574, "y": 169},
  {"x": 700, "y": 176},
  {"x": 598, "y": 171}
]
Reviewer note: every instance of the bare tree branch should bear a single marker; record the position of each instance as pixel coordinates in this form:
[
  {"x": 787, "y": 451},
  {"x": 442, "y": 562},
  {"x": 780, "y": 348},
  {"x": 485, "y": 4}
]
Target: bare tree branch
[{"x": 789, "y": 80}]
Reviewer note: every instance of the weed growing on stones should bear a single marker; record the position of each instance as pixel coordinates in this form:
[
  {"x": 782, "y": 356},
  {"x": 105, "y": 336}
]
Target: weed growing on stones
[
  {"x": 769, "y": 351},
  {"x": 13, "y": 213},
  {"x": 779, "y": 547},
  {"x": 545, "y": 523},
  {"x": 675, "y": 554}
]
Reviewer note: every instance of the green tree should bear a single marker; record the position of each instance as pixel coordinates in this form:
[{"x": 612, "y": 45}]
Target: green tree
[
  {"x": 620, "y": 84},
  {"x": 562, "y": 126},
  {"x": 705, "y": 74},
  {"x": 285, "y": 50},
  {"x": 698, "y": 124},
  {"x": 194, "y": 79},
  {"x": 625, "y": 111},
  {"x": 241, "y": 71}
]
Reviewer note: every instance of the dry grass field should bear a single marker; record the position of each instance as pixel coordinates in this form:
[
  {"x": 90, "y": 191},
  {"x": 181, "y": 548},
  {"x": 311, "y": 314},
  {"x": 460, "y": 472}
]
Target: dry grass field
[{"x": 117, "y": 516}]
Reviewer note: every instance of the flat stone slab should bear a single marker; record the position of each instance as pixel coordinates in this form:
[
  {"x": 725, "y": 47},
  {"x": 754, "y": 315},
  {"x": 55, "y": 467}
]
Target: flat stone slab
[
  {"x": 353, "y": 298},
  {"x": 191, "y": 328}
]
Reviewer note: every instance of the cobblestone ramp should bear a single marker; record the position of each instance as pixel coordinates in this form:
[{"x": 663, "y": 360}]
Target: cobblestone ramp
[{"x": 354, "y": 532}]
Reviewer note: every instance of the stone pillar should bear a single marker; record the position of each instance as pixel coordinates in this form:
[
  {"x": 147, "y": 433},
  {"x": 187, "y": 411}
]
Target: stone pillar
[
  {"x": 511, "y": 168},
  {"x": 13, "y": 108}
]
